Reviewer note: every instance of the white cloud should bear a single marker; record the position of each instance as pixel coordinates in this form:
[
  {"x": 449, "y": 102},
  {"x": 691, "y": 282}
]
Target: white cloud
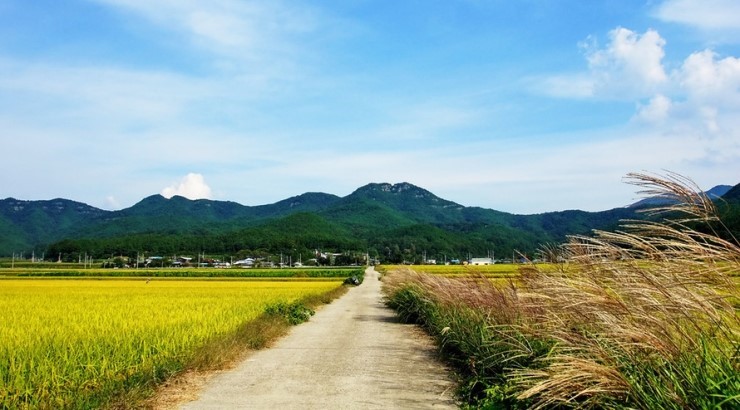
[
  {"x": 699, "y": 99},
  {"x": 704, "y": 14},
  {"x": 706, "y": 78},
  {"x": 630, "y": 66},
  {"x": 707, "y": 96},
  {"x": 656, "y": 111},
  {"x": 236, "y": 30},
  {"x": 192, "y": 186},
  {"x": 631, "y": 63},
  {"x": 99, "y": 95},
  {"x": 565, "y": 86},
  {"x": 687, "y": 119}
]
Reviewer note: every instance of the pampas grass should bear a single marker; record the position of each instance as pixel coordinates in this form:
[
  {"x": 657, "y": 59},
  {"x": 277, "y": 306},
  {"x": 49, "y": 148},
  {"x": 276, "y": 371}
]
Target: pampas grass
[{"x": 637, "y": 318}]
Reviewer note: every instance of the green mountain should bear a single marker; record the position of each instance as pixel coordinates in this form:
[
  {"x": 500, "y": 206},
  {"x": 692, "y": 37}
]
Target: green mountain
[
  {"x": 27, "y": 224},
  {"x": 728, "y": 208},
  {"x": 398, "y": 222},
  {"x": 733, "y": 194}
]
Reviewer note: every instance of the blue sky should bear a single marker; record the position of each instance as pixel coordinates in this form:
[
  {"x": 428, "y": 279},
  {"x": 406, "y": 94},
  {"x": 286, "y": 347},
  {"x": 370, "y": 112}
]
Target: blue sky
[{"x": 521, "y": 106}]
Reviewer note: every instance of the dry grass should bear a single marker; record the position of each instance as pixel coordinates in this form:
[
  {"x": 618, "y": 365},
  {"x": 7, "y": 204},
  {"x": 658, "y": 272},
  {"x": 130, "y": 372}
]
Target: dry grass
[
  {"x": 641, "y": 317},
  {"x": 656, "y": 293}
]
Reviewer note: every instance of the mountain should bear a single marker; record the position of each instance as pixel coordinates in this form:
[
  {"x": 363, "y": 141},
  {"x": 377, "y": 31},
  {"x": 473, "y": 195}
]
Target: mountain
[
  {"x": 308, "y": 202},
  {"x": 386, "y": 206},
  {"x": 26, "y": 224},
  {"x": 399, "y": 221},
  {"x": 732, "y": 195},
  {"x": 714, "y": 193},
  {"x": 729, "y": 211},
  {"x": 407, "y": 199},
  {"x": 718, "y": 191}
]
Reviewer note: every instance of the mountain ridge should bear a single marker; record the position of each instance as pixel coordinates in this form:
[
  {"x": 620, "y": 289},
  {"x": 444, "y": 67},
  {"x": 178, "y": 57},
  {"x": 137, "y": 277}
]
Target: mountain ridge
[
  {"x": 715, "y": 192},
  {"x": 376, "y": 215}
]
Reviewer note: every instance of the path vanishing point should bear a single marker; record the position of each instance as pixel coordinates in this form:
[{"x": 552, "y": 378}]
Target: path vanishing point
[{"x": 353, "y": 354}]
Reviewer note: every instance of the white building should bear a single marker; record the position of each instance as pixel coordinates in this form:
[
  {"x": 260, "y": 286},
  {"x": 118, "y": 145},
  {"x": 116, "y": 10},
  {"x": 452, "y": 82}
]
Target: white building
[
  {"x": 481, "y": 261},
  {"x": 249, "y": 262}
]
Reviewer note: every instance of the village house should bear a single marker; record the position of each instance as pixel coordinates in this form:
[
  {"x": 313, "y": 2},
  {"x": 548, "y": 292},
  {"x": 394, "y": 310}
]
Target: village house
[{"x": 481, "y": 261}]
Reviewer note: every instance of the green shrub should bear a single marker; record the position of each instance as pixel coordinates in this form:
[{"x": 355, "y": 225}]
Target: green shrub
[
  {"x": 295, "y": 313},
  {"x": 356, "y": 278}
]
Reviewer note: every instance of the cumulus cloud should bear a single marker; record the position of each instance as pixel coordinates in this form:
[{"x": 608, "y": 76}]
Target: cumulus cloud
[
  {"x": 699, "y": 97},
  {"x": 706, "y": 77},
  {"x": 706, "y": 90},
  {"x": 696, "y": 103},
  {"x": 629, "y": 66},
  {"x": 192, "y": 186},
  {"x": 630, "y": 63}
]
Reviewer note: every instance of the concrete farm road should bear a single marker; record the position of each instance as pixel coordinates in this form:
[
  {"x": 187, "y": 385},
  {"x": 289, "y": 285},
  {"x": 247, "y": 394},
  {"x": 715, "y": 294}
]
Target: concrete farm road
[{"x": 353, "y": 354}]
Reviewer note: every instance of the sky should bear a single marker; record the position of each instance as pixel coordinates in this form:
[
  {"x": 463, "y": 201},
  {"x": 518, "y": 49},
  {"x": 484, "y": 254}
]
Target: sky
[{"x": 523, "y": 106}]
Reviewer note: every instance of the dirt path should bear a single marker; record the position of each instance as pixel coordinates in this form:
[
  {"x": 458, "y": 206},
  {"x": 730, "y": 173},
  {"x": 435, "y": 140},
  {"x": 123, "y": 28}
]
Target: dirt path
[{"x": 352, "y": 354}]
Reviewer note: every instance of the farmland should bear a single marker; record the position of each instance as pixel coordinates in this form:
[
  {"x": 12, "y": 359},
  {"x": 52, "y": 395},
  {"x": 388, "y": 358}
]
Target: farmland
[
  {"x": 73, "y": 270},
  {"x": 496, "y": 270},
  {"x": 79, "y": 343}
]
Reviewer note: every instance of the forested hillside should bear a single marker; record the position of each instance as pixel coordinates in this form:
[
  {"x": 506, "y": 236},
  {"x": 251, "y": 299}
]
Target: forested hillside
[{"x": 395, "y": 223}]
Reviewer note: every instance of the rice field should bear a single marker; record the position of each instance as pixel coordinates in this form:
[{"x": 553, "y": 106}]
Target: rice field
[
  {"x": 76, "y": 343},
  {"x": 50, "y": 270},
  {"x": 496, "y": 270}
]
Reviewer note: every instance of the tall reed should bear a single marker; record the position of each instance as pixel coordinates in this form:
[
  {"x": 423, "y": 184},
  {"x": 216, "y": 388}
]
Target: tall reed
[
  {"x": 642, "y": 317},
  {"x": 638, "y": 318}
]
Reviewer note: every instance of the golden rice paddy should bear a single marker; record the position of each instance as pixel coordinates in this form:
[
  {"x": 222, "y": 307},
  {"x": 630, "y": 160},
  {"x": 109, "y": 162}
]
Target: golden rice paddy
[{"x": 66, "y": 343}]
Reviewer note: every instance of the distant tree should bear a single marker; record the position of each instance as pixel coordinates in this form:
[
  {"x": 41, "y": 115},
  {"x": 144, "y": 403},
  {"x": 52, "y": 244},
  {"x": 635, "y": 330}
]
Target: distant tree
[{"x": 118, "y": 262}]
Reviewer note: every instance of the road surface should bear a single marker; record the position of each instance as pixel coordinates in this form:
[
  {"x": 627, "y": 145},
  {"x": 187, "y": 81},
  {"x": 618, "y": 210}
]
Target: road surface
[{"x": 353, "y": 354}]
